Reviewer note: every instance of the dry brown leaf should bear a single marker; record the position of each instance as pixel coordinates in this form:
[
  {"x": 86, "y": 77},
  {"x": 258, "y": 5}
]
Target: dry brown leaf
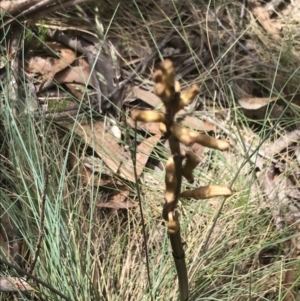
[
  {"x": 113, "y": 204},
  {"x": 150, "y": 127},
  {"x": 87, "y": 176},
  {"x": 281, "y": 144},
  {"x": 73, "y": 88},
  {"x": 255, "y": 103},
  {"x": 263, "y": 18},
  {"x": 107, "y": 147},
  {"x": 144, "y": 150},
  {"x": 118, "y": 199},
  {"x": 146, "y": 96},
  {"x": 49, "y": 66},
  {"x": 92, "y": 179},
  {"x": 281, "y": 188},
  {"x": 283, "y": 194},
  {"x": 76, "y": 74},
  {"x": 291, "y": 10},
  {"x": 96, "y": 164},
  {"x": 14, "y": 284},
  {"x": 197, "y": 124}
]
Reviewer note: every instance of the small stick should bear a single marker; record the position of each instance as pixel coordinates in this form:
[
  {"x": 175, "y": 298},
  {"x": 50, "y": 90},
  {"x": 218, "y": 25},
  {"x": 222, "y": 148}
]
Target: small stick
[{"x": 31, "y": 9}]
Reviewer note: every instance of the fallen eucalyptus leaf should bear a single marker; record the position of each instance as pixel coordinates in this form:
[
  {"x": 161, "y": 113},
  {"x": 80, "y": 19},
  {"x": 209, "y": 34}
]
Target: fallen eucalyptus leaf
[{"x": 255, "y": 103}]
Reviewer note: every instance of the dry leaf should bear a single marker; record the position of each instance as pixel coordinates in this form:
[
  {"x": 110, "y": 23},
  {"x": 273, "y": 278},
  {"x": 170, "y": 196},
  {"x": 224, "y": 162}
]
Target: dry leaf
[
  {"x": 107, "y": 147},
  {"x": 144, "y": 150},
  {"x": 146, "y": 96},
  {"x": 150, "y": 127},
  {"x": 74, "y": 90},
  {"x": 117, "y": 204},
  {"x": 255, "y": 103},
  {"x": 263, "y": 18},
  {"x": 87, "y": 176},
  {"x": 14, "y": 284},
  {"x": 76, "y": 74},
  {"x": 118, "y": 199},
  {"x": 283, "y": 143},
  {"x": 49, "y": 66},
  {"x": 197, "y": 124},
  {"x": 92, "y": 179}
]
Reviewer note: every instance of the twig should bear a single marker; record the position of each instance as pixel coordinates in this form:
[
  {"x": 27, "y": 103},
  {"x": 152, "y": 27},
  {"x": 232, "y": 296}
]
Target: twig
[
  {"x": 31, "y": 9},
  {"x": 13, "y": 7},
  {"x": 63, "y": 5}
]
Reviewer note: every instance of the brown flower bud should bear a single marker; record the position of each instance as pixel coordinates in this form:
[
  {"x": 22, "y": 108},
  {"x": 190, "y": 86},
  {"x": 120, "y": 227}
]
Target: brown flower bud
[
  {"x": 206, "y": 192},
  {"x": 147, "y": 116},
  {"x": 170, "y": 180},
  {"x": 188, "y": 96},
  {"x": 192, "y": 160},
  {"x": 189, "y": 137}
]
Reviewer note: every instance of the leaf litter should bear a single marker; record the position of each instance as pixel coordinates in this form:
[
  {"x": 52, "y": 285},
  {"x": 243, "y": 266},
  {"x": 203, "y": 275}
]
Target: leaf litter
[{"x": 223, "y": 60}]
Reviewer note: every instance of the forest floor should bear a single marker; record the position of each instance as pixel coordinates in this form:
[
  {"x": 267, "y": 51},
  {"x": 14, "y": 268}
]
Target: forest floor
[{"x": 71, "y": 74}]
